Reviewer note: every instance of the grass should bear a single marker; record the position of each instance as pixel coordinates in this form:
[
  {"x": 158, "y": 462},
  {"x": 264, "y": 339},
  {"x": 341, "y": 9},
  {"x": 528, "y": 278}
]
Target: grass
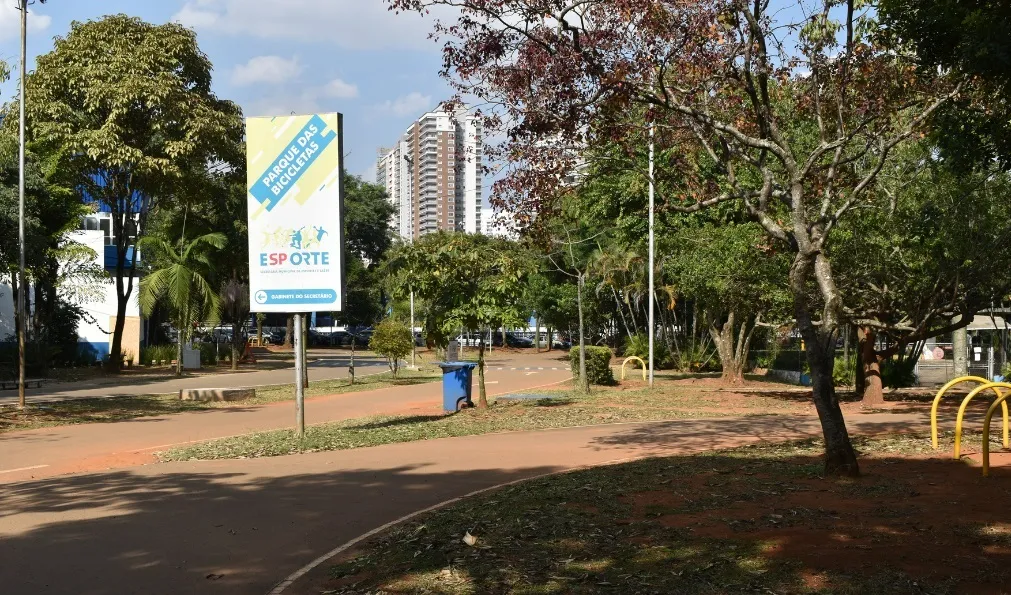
[
  {"x": 561, "y": 409},
  {"x": 758, "y": 519},
  {"x": 113, "y": 409}
]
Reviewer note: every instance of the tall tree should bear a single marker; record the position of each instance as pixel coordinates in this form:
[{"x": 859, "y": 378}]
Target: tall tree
[
  {"x": 127, "y": 107},
  {"x": 781, "y": 124},
  {"x": 469, "y": 281}
]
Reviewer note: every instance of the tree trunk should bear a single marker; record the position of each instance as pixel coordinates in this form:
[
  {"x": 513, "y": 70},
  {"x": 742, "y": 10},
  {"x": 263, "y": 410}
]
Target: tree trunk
[
  {"x": 840, "y": 458},
  {"x": 259, "y": 329},
  {"x": 873, "y": 390},
  {"x": 482, "y": 394},
  {"x": 235, "y": 346},
  {"x": 289, "y": 331},
  {"x": 537, "y": 334},
  {"x": 550, "y": 339},
  {"x": 733, "y": 347},
  {"x": 180, "y": 337},
  {"x": 351, "y": 368},
  {"x": 115, "y": 350},
  {"x": 960, "y": 351},
  {"x": 583, "y": 381}
]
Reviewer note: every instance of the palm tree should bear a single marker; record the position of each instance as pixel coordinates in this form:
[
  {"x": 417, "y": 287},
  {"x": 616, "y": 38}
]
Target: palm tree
[{"x": 181, "y": 282}]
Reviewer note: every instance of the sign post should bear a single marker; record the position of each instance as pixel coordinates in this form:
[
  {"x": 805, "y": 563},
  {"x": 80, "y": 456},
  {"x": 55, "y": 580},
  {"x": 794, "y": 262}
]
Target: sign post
[{"x": 295, "y": 200}]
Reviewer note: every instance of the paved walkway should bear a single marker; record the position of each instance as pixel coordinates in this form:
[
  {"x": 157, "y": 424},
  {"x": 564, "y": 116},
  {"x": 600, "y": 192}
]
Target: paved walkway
[
  {"x": 241, "y": 526},
  {"x": 323, "y": 365},
  {"x": 88, "y": 447}
]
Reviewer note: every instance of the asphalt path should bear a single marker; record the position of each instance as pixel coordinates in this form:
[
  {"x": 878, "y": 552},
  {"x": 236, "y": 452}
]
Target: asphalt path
[{"x": 240, "y": 526}]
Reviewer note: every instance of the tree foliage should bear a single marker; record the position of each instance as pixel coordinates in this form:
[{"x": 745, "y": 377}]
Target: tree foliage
[
  {"x": 126, "y": 109},
  {"x": 393, "y": 340}
]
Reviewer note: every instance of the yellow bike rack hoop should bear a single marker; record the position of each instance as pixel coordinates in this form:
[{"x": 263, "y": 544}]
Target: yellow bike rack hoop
[
  {"x": 940, "y": 394},
  {"x": 1002, "y": 401},
  {"x": 633, "y": 358},
  {"x": 965, "y": 403}
]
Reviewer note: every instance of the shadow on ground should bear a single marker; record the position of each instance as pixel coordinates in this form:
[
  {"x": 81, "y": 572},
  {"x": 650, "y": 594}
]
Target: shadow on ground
[{"x": 198, "y": 530}]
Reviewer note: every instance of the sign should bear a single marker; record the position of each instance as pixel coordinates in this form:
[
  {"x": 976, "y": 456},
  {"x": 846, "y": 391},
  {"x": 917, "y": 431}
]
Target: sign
[{"x": 296, "y": 211}]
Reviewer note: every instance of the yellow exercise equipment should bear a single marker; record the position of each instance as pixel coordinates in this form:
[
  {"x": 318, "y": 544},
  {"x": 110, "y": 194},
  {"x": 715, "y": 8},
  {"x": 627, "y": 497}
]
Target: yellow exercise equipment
[
  {"x": 965, "y": 403},
  {"x": 937, "y": 401},
  {"x": 1002, "y": 401},
  {"x": 638, "y": 359}
]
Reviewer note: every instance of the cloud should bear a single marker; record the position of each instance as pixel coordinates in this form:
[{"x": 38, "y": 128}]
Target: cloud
[
  {"x": 350, "y": 24},
  {"x": 266, "y": 69},
  {"x": 412, "y": 104},
  {"x": 340, "y": 89},
  {"x": 10, "y": 21}
]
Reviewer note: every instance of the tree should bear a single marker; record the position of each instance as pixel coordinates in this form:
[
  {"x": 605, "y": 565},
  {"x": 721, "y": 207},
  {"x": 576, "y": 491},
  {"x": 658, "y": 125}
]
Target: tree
[
  {"x": 234, "y": 304},
  {"x": 180, "y": 278},
  {"x": 392, "y": 340},
  {"x": 469, "y": 281},
  {"x": 126, "y": 107},
  {"x": 969, "y": 36},
  {"x": 782, "y": 126}
]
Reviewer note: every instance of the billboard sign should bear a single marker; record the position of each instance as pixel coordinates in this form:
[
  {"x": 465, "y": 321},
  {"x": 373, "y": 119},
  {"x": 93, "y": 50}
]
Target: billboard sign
[{"x": 295, "y": 198}]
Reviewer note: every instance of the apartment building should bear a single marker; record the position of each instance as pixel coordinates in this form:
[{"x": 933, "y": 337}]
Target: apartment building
[{"x": 433, "y": 174}]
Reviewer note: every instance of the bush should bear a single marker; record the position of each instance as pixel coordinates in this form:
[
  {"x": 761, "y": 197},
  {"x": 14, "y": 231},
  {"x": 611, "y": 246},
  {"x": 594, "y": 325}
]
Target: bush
[
  {"x": 598, "y": 364},
  {"x": 154, "y": 353},
  {"x": 898, "y": 375},
  {"x": 638, "y": 346},
  {"x": 208, "y": 354},
  {"x": 393, "y": 340},
  {"x": 843, "y": 375}
]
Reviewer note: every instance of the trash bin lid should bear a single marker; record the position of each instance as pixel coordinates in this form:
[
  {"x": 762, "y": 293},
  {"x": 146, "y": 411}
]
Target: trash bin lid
[{"x": 450, "y": 366}]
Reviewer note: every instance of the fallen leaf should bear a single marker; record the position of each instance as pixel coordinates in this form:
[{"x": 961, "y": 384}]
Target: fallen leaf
[{"x": 469, "y": 539}]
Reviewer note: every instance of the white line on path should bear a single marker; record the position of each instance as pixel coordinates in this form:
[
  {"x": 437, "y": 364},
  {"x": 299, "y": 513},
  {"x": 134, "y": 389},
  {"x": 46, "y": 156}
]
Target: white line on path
[{"x": 23, "y": 469}]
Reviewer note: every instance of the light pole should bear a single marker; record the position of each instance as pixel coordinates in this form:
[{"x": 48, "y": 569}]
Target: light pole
[
  {"x": 652, "y": 191},
  {"x": 23, "y": 7}
]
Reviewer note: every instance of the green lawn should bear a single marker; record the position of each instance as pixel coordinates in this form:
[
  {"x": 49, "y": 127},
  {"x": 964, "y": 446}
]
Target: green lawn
[
  {"x": 759, "y": 519},
  {"x": 567, "y": 409},
  {"x": 114, "y": 409}
]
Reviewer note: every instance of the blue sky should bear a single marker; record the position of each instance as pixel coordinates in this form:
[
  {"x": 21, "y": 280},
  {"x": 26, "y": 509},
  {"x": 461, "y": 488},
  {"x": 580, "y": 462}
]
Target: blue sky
[{"x": 278, "y": 56}]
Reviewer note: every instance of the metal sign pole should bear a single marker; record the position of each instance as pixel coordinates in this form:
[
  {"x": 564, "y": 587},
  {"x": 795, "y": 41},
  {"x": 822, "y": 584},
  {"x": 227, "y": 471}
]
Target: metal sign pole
[{"x": 299, "y": 388}]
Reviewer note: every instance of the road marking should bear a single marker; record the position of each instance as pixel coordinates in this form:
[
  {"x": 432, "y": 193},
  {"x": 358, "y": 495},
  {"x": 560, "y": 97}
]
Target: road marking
[
  {"x": 23, "y": 469},
  {"x": 491, "y": 382},
  {"x": 530, "y": 373}
]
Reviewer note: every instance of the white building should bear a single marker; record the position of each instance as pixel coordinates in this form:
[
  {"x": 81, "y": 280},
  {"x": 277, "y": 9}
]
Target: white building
[
  {"x": 97, "y": 299},
  {"x": 433, "y": 175}
]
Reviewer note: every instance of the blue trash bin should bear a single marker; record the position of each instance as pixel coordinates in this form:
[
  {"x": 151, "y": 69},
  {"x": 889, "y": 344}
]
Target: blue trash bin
[{"x": 457, "y": 379}]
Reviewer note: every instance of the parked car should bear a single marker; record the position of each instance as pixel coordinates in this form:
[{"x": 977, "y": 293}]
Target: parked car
[{"x": 512, "y": 340}]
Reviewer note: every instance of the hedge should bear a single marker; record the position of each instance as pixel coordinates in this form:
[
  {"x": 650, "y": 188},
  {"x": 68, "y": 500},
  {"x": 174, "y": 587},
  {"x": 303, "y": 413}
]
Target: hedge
[{"x": 598, "y": 364}]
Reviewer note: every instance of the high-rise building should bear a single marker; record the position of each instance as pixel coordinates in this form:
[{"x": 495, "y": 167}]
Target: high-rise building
[{"x": 433, "y": 174}]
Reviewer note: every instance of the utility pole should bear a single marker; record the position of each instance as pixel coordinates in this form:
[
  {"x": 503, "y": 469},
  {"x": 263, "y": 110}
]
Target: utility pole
[
  {"x": 652, "y": 192},
  {"x": 22, "y": 328}
]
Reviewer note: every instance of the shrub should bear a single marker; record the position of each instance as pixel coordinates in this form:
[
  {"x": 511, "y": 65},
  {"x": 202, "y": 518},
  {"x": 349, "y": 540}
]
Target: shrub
[
  {"x": 638, "y": 346},
  {"x": 393, "y": 340},
  {"x": 155, "y": 353},
  {"x": 843, "y": 375},
  {"x": 598, "y": 364},
  {"x": 895, "y": 374},
  {"x": 208, "y": 354}
]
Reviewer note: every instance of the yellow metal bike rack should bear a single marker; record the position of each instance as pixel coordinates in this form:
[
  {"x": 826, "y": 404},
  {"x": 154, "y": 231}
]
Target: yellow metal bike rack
[
  {"x": 965, "y": 402},
  {"x": 1002, "y": 401},
  {"x": 638, "y": 359},
  {"x": 937, "y": 401}
]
